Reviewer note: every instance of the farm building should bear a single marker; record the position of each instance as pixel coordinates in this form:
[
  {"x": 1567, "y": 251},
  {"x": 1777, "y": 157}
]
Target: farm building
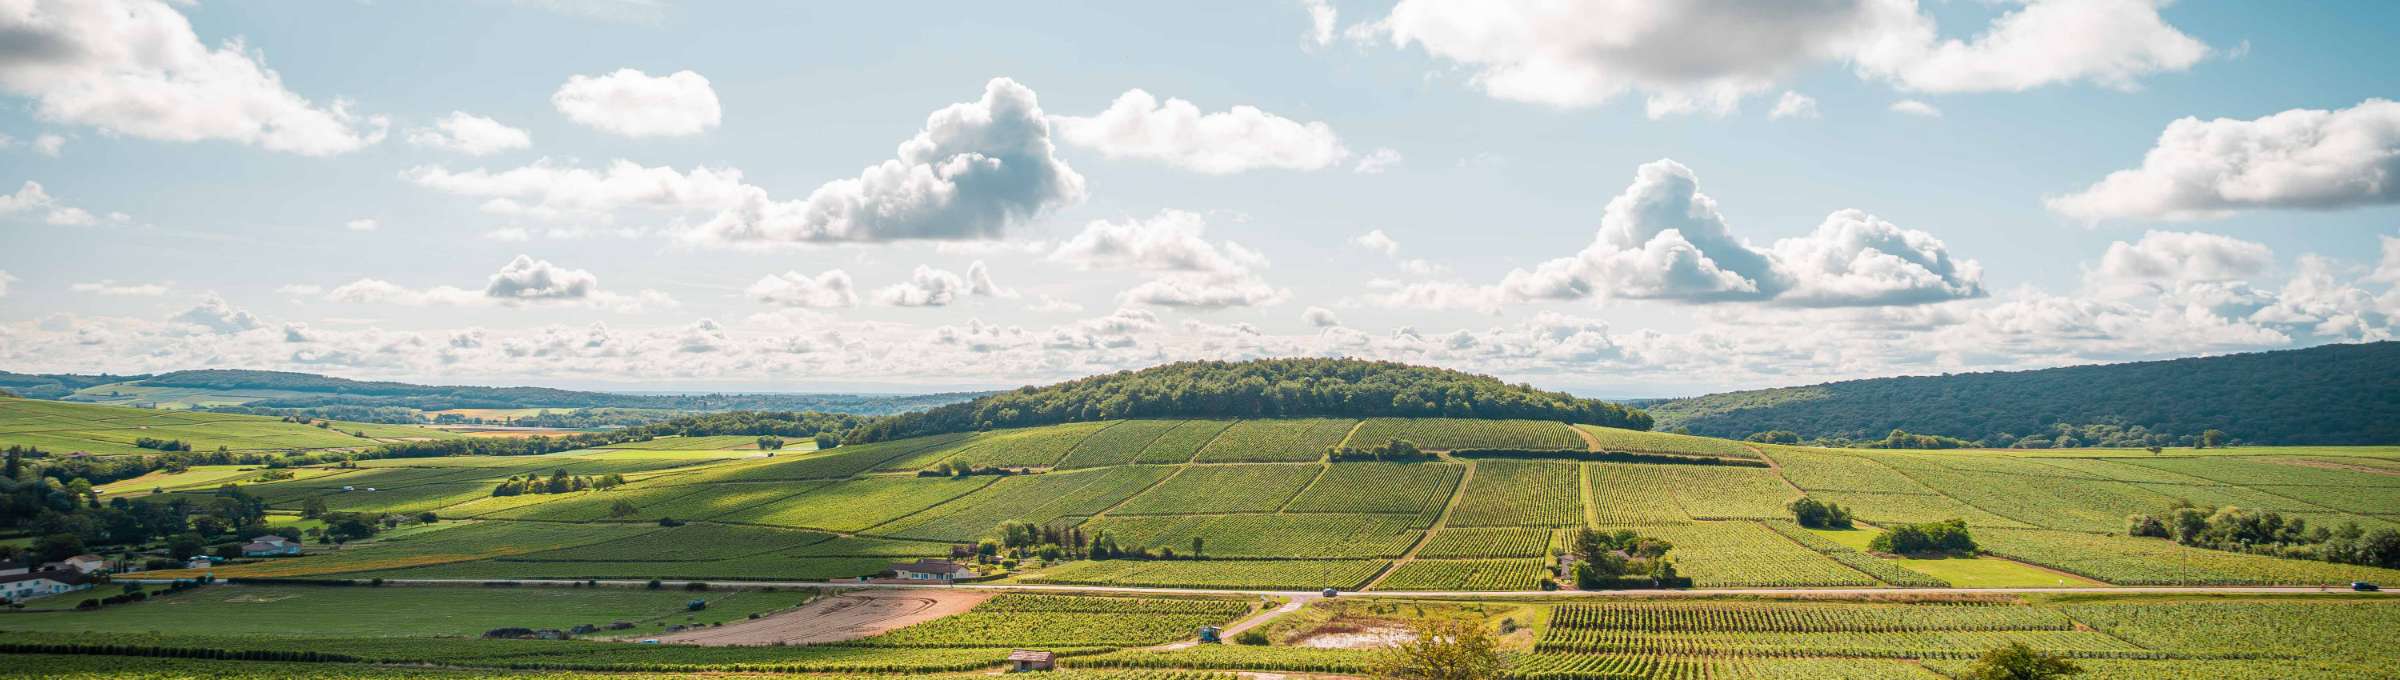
[
  {"x": 270, "y": 545},
  {"x": 931, "y": 570},
  {"x": 1031, "y": 660},
  {"x": 8, "y": 568},
  {"x": 81, "y": 564},
  {"x": 26, "y": 586}
]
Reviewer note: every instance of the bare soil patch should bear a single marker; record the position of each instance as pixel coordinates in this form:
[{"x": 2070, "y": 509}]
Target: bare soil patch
[{"x": 847, "y": 616}]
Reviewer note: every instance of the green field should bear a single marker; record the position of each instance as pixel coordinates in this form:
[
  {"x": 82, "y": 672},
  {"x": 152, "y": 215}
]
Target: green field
[
  {"x": 65, "y": 428},
  {"x": 392, "y": 611}
]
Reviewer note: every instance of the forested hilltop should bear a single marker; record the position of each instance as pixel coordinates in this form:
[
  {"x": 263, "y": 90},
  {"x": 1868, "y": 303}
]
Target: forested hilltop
[
  {"x": 1261, "y": 388},
  {"x": 2336, "y": 394}
]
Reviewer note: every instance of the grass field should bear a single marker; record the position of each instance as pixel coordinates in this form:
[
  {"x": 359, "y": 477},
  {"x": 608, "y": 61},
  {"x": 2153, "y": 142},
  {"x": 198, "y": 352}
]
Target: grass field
[
  {"x": 65, "y": 428},
  {"x": 392, "y": 611}
]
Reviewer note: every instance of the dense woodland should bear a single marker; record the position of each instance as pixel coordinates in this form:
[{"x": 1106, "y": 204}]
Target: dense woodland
[
  {"x": 1263, "y": 388},
  {"x": 2337, "y": 394}
]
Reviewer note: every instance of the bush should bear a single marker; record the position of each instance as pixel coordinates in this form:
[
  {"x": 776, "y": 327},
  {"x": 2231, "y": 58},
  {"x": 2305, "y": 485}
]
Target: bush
[
  {"x": 1816, "y": 515},
  {"x": 1250, "y": 637},
  {"x": 655, "y": 584},
  {"x": 1947, "y": 537}
]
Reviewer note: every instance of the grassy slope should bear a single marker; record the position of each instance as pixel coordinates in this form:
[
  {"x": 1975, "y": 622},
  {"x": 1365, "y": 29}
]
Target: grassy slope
[{"x": 61, "y": 427}]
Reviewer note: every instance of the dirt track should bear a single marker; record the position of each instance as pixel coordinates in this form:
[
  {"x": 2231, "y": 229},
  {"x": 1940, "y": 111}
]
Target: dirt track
[{"x": 847, "y": 616}]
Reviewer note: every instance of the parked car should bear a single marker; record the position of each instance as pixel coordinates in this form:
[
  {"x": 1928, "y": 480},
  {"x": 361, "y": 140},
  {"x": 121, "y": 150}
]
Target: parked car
[
  {"x": 2364, "y": 587},
  {"x": 1330, "y": 592}
]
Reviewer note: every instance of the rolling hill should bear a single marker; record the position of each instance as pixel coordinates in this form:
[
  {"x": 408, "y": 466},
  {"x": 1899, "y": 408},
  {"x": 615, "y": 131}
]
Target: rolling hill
[
  {"x": 2336, "y": 394},
  {"x": 288, "y": 390}
]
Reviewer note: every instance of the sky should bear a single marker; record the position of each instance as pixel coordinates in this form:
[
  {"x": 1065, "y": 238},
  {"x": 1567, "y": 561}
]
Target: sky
[{"x": 1614, "y": 198}]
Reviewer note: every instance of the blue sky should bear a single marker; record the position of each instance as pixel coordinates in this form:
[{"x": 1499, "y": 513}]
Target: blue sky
[{"x": 1936, "y": 205}]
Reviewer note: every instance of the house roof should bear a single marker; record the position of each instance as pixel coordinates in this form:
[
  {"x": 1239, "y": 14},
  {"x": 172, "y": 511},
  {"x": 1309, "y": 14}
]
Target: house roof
[
  {"x": 930, "y": 566},
  {"x": 66, "y": 577},
  {"x": 1030, "y": 655}
]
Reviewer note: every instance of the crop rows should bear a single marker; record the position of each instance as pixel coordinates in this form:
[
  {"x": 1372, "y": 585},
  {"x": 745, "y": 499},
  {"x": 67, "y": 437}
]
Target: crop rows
[
  {"x": 1886, "y": 645},
  {"x": 1415, "y": 488},
  {"x": 1519, "y": 493},
  {"x": 1180, "y": 444},
  {"x": 1223, "y": 488},
  {"x": 858, "y": 504},
  {"x": 1445, "y": 434},
  {"x": 689, "y": 543},
  {"x": 1883, "y": 570},
  {"x": 1489, "y": 542},
  {"x": 1259, "y": 574},
  {"x": 1120, "y": 444},
  {"x": 2353, "y": 631},
  {"x": 1491, "y": 574},
  {"x": 1637, "y": 441},
  {"x": 1815, "y": 471},
  {"x": 1299, "y": 536},
  {"x": 2125, "y": 560},
  {"x": 1288, "y": 659},
  {"x": 1720, "y": 554},
  {"x": 1267, "y": 441},
  {"x": 1798, "y": 617},
  {"x": 1091, "y": 604},
  {"x": 1034, "y": 499},
  {"x": 1046, "y": 629},
  {"x": 1029, "y": 447}
]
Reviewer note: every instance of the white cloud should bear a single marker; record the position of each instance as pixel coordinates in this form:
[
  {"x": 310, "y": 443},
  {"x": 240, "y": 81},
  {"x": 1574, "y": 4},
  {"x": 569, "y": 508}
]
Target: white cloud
[
  {"x": 1705, "y": 57},
  {"x": 979, "y": 282},
  {"x": 2181, "y": 257},
  {"x": 1377, "y": 161},
  {"x": 135, "y": 68},
  {"x": 5, "y": 279},
  {"x": 31, "y": 197},
  {"x": 1794, "y": 105},
  {"x": 2387, "y": 270},
  {"x": 526, "y": 278},
  {"x": 628, "y": 11},
  {"x": 930, "y": 287},
  {"x": 1205, "y": 291},
  {"x": 1171, "y": 241},
  {"x": 1429, "y": 295},
  {"x": 216, "y": 315},
  {"x": 523, "y": 280},
  {"x": 112, "y": 288},
  {"x": 552, "y": 191},
  {"x": 2308, "y": 159},
  {"x": 49, "y": 144},
  {"x": 1916, "y": 108},
  {"x": 1320, "y": 317},
  {"x": 362, "y": 224},
  {"x": 1321, "y": 19},
  {"x": 1175, "y": 132},
  {"x": 634, "y": 104},
  {"x": 2112, "y": 43},
  {"x": 1048, "y": 304},
  {"x": 1378, "y": 241},
  {"x": 1663, "y": 239},
  {"x": 975, "y": 170},
  {"x": 470, "y": 134},
  {"x": 794, "y": 289}
]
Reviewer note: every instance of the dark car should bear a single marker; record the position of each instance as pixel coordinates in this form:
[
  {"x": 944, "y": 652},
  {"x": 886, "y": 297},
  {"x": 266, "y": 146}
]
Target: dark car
[{"x": 2364, "y": 587}]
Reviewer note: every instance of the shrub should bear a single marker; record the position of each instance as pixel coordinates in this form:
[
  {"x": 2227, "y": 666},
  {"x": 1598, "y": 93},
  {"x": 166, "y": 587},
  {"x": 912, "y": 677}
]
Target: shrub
[
  {"x": 1250, "y": 637},
  {"x": 1816, "y": 515},
  {"x": 1947, "y": 537}
]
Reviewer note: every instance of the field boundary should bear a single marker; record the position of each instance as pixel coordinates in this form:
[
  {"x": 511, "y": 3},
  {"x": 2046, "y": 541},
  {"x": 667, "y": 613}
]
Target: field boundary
[{"x": 1440, "y": 522}]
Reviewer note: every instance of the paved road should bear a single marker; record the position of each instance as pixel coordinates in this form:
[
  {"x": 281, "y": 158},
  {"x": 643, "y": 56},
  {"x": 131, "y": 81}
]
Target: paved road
[{"x": 1475, "y": 594}]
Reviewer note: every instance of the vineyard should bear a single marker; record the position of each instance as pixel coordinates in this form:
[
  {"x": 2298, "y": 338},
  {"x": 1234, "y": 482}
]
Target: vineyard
[
  {"x": 1637, "y": 441},
  {"x": 1223, "y": 488},
  {"x": 1255, "y": 574},
  {"x": 1483, "y": 574},
  {"x": 1445, "y": 434},
  {"x": 1515, "y": 493},
  {"x": 1492, "y": 542},
  {"x": 1021, "y": 620},
  {"x": 1275, "y": 441}
]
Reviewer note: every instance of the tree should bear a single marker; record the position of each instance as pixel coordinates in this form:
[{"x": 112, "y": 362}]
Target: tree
[
  {"x": 184, "y": 546},
  {"x": 827, "y": 440},
  {"x": 2145, "y": 525},
  {"x": 55, "y": 547},
  {"x": 1816, "y": 515},
  {"x": 623, "y": 508},
  {"x": 2210, "y": 439},
  {"x": 770, "y": 443},
  {"x": 1444, "y": 650},
  {"x": 312, "y": 508},
  {"x": 2015, "y": 661},
  {"x": 1199, "y": 544}
]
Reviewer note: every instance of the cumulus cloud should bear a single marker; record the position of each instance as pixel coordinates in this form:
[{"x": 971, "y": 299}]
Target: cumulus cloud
[
  {"x": 1663, "y": 239},
  {"x": 2182, "y": 257},
  {"x": 794, "y": 289},
  {"x": 5, "y": 279},
  {"x": 2308, "y": 159},
  {"x": 112, "y": 288},
  {"x": 49, "y": 144},
  {"x": 1205, "y": 291},
  {"x": 214, "y": 314},
  {"x": 1705, "y": 57},
  {"x": 470, "y": 134},
  {"x": 362, "y": 224},
  {"x": 1378, "y": 161},
  {"x": 523, "y": 280},
  {"x": 930, "y": 287},
  {"x": 135, "y": 68},
  {"x": 1916, "y": 108},
  {"x": 1793, "y": 105},
  {"x": 1171, "y": 241},
  {"x": 1377, "y": 241},
  {"x": 976, "y": 169},
  {"x": 1320, "y": 317},
  {"x": 32, "y": 198},
  {"x": 1175, "y": 132},
  {"x": 1321, "y": 20},
  {"x": 635, "y": 104}
]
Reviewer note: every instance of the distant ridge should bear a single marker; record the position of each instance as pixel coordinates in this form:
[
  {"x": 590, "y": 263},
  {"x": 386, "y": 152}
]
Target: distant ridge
[
  {"x": 2335, "y": 394},
  {"x": 1261, "y": 388},
  {"x": 307, "y": 390}
]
